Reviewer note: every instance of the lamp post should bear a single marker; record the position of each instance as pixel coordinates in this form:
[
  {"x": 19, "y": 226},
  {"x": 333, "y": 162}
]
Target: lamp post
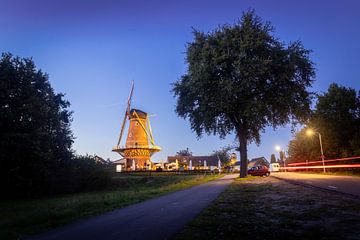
[
  {"x": 278, "y": 148},
  {"x": 310, "y": 132}
]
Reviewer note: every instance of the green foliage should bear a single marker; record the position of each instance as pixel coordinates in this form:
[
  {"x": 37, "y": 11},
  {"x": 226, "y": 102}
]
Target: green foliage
[
  {"x": 240, "y": 79},
  {"x": 82, "y": 173},
  {"x": 35, "y": 144},
  {"x": 223, "y": 154},
  {"x": 303, "y": 148},
  {"x": 337, "y": 118},
  {"x": 184, "y": 152},
  {"x": 272, "y": 158},
  {"x": 34, "y": 124}
]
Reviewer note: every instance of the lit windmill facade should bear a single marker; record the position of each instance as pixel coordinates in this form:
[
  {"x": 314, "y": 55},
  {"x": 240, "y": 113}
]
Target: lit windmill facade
[{"x": 140, "y": 145}]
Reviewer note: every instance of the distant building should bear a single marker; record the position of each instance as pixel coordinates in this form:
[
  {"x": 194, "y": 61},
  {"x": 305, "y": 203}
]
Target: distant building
[
  {"x": 160, "y": 165},
  {"x": 258, "y": 161},
  {"x": 233, "y": 159},
  {"x": 252, "y": 163},
  {"x": 100, "y": 160},
  {"x": 192, "y": 163},
  {"x": 176, "y": 163},
  {"x": 120, "y": 164}
]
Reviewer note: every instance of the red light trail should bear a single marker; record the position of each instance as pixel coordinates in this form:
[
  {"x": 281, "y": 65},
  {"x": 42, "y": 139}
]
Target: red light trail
[
  {"x": 330, "y": 160},
  {"x": 326, "y": 166}
]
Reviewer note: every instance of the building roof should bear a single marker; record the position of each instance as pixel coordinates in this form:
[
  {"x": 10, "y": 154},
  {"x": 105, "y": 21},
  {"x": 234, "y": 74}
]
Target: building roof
[
  {"x": 195, "y": 160},
  {"x": 258, "y": 161},
  {"x": 255, "y": 162},
  {"x": 119, "y": 161},
  {"x": 100, "y": 160}
]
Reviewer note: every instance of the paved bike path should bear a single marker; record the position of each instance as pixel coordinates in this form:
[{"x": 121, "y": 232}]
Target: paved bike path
[{"x": 158, "y": 218}]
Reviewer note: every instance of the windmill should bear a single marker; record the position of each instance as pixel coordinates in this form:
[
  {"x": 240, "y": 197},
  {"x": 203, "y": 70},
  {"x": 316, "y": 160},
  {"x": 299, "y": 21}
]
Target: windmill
[{"x": 140, "y": 145}]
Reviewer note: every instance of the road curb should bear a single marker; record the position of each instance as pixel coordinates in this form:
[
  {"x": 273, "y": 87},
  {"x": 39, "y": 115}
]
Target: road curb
[{"x": 316, "y": 187}]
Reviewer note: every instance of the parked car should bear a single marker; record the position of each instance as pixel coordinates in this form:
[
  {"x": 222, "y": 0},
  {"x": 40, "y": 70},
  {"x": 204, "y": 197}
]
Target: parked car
[{"x": 259, "y": 171}]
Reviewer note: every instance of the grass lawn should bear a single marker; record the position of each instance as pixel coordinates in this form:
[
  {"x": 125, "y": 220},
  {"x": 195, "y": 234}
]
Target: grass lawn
[
  {"x": 25, "y": 217},
  {"x": 267, "y": 208}
]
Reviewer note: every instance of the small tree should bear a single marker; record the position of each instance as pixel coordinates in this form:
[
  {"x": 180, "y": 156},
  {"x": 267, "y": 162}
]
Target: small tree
[
  {"x": 303, "y": 148},
  {"x": 282, "y": 156},
  {"x": 242, "y": 78},
  {"x": 184, "y": 152},
  {"x": 272, "y": 159},
  {"x": 223, "y": 155}
]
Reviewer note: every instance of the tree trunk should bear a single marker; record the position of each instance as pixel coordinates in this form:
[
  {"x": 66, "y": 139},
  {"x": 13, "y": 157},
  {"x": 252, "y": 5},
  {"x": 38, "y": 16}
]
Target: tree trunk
[{"x": 243, "y": 154}]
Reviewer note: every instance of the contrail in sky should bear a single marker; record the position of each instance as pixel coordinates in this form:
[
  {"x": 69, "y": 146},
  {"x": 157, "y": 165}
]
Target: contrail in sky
[{"x": 110, "y": 105}]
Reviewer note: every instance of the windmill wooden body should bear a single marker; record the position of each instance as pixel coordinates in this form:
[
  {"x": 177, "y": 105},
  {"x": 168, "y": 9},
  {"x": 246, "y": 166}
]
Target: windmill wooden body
[{"x": 140, "y": 145}]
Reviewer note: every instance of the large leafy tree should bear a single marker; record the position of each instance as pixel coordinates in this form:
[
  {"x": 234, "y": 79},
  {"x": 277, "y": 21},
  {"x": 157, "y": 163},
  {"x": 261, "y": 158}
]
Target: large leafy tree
[
  {"x": 337, "y": 118},
  {"x": 36, "y": 139},
  {"x": 241, "y": 78}
]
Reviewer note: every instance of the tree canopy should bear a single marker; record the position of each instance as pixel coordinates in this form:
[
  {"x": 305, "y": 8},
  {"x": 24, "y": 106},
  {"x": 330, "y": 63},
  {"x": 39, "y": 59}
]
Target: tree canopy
[
  {"x": 241, "y": 78},
  {"x": 337, "y": 118},
  {"x": 184, "y": 152},
  {"x": 303, "y": 148},
  {"x": 36, "y": 139},
  {"x": 272, "y": 158}
]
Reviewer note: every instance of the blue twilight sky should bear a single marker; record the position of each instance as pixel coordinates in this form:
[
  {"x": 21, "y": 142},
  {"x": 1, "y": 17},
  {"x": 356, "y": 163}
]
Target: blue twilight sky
[{"x": 92, "y": 49}]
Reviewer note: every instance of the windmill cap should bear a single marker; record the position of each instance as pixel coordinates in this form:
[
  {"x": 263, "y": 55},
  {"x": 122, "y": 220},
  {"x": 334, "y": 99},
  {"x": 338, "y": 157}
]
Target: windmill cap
[{"x": 140, "y": 113}]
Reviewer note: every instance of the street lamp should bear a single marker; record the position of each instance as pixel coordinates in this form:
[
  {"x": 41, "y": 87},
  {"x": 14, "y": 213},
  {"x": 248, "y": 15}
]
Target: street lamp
[
  {"x": 310, "y": 132},
  {"x": 278, "y": 149}
]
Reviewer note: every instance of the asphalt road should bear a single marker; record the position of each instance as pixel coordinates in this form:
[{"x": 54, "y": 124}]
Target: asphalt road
[
  {"x": 158, "y": 218},
  {"x": 344, "y": 184}
]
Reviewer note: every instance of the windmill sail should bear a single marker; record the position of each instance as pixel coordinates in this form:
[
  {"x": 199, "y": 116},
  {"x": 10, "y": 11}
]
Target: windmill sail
[
  {"x": 127, "y": 113},
  {"x": 129, "y": 98}
]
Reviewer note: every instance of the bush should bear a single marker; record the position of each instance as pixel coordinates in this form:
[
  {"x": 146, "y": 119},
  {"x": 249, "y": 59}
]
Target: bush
[{"x": 80, "y": 174}]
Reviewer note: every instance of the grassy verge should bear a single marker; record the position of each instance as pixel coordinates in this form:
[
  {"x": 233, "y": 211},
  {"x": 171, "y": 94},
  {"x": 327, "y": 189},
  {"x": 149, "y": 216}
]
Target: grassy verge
[
  {"x": 26, "y": 217},
  {"x": 267, "y": 208}
]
